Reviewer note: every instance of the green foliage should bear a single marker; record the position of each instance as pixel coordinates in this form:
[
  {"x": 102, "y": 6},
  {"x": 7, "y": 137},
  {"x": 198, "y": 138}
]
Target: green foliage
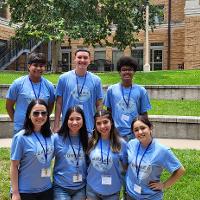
[
  {"x": 91, "y": 20},
  {"x": 175, "y": 107},
  {"x": 4, "y": 173}
]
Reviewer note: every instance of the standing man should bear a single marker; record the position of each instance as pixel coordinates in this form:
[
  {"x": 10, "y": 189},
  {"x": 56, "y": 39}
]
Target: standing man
[
  {"x": 126, "y": 100},
  {"x": 79, "y": 87},
  {"x": 26, "y": 88}
]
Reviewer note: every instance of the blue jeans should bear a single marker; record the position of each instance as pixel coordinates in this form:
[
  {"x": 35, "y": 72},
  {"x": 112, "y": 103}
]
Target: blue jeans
[
  {"x": 92, "y": 195},
  {"x": 61, "y": 193}
]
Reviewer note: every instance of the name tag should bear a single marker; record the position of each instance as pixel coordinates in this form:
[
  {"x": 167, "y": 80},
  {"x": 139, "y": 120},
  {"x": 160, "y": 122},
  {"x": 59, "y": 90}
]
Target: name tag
[
  {"x": 137, "y": 189},
  {"x": 77, "y": 178},
  {"x": 45, "y": 172},
  {"x": 125, "y": 117},
  {"x": 106, "y": 180}
]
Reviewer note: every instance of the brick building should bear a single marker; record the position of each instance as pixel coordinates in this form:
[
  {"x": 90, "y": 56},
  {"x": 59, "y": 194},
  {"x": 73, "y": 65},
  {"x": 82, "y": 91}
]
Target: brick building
[{"x": 173, "y": 44}]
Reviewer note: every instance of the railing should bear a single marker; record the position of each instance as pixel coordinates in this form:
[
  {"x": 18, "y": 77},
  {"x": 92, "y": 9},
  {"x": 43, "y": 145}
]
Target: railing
[{"x": 14, "y": 50}]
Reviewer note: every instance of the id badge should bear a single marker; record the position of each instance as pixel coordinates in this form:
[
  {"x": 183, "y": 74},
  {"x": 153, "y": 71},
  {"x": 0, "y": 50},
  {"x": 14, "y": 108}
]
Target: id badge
[
  {"x": 125, "y": 117},
  {"x": 77, "y": 178},
  {"x": 106, "y": 180},
  {"x": 45, "y": 172},
  {"x": 137, "y": 189}
]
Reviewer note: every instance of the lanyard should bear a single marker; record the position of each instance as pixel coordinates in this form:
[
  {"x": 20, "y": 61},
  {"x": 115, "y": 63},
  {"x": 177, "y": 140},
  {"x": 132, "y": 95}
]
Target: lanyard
[
  {"x": 79, "y": 149},
  {"x": 80, "y": 91},
  {"x": 138, "y": 168},
  {"x": 107, "y": 152},
  {"x": 45, "y": 151},
  {"x": 129, "y": 95},
  {"x": 37, "y": 97}
]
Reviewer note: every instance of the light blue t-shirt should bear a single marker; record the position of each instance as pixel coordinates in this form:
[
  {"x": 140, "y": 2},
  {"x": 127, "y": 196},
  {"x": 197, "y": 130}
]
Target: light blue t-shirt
[
  {"x": 112, "y": 169},
  {"x": 89, "y": 91},
  {"x": 124, "y": 111},
  {"x": 156, "y": 158},
  {"x": 65, "y": 166},
  {"x": 22, "y": 93},
  {"x": 28, "y": 150}
]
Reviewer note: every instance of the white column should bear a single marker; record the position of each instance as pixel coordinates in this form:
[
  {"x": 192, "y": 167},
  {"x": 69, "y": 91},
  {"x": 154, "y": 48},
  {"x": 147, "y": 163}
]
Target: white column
[{"x": 146, "y": 67}]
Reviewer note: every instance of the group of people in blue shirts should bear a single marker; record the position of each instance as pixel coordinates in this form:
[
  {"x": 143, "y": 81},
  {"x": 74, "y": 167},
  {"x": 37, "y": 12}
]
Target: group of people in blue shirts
[{"x": 96, "y": 151}]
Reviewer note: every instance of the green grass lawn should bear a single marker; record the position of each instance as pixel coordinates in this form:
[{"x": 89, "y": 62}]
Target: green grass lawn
[
  {"x": 159, "y": 107},
  {"x": 187, "y": 188},
  {"x": 171, "y": 77}
]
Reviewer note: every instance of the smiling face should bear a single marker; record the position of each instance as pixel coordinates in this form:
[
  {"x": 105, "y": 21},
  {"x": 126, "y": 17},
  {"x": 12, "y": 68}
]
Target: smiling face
[
  {"x": 35, "y": 71},
  {"x": 82, "y": 60},
  {"x": 75, "y": 122},
  {"x": 38, "y": 116},
  {"x": 142, "y": 132},
  {"x": 126, "y": 74},
  {"x": 103, "y": 126}
]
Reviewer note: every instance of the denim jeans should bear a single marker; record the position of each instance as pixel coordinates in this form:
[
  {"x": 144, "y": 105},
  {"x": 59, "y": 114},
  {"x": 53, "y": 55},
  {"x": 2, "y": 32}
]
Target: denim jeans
[
  {"x": 92, "y": 195},
  {"x": 61, "y": 193}
]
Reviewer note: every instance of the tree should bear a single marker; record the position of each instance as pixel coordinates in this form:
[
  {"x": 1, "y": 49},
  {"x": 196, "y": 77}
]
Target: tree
[{"x": 92, "y": 20}]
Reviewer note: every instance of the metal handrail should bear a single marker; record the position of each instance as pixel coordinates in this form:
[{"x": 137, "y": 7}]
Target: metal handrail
[{"x": 15, "y": 49}]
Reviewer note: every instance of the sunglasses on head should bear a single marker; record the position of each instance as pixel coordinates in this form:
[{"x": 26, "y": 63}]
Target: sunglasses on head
[{"x": 37, "y": 113}]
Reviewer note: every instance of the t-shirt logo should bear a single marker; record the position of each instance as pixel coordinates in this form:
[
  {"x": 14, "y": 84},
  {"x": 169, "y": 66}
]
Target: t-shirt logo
[
  {"x": 83, "y": 96},
  {"x": 123, "y": 107},
  {"x": 71, "y": 159},
  {"x": 40, "y": 153},
  {"x": 145, "y": 169},
  {"x": 97, "y": 163}
]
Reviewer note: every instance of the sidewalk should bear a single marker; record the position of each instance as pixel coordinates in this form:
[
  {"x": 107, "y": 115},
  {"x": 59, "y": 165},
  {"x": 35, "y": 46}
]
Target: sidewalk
[{"x": 173, "y": 143}]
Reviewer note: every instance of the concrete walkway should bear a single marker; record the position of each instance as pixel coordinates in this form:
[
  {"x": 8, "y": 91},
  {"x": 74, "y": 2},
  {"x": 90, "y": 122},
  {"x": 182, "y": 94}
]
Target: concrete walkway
[{"x": 173, "y": 143}]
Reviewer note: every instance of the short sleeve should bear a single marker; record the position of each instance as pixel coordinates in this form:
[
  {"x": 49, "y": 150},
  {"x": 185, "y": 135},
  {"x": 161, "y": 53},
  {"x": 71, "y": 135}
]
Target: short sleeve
[
  {"x": 60, "y": 87},
  {"x": 145, "y": 101},
  {"x": 171, "y": 162},
  {"x": 17, "y": 147},
  {"x": 99, "y": 89},
  {"x": 12, "y": 91}
]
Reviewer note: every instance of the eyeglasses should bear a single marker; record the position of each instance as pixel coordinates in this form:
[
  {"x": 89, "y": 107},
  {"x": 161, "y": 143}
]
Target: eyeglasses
[{"x": 37, "y": 113}]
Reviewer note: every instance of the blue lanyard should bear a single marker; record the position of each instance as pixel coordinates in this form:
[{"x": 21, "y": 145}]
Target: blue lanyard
[
  {"x": 37, "y": 97},
  {"x": 138, "y": 167},
  {"x": 79, "y": 149},
  {"x": 107, "y": 152},
  {"x": 129, "y": 95},
  {"x": 80, "y": 91},
  {"x": 45, "y": 151}
]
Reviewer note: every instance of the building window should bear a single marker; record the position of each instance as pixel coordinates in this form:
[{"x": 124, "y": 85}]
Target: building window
[
  {"x": 116, "y": 55},
  {"x": 159, "y": 18},
  {"x": 137, "y": 53},
  {"x": 66, "y": 58},
  {"x": 156, "y": 56}
]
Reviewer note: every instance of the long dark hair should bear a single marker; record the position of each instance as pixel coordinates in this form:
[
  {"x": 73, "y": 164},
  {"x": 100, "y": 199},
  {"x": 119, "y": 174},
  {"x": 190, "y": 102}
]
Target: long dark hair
[
  {"x": 28, "y": 125},
  {"x": 114, "y": 136},
  {"x": 144, "y": 119},
  {"x": 64, "y": 130}
]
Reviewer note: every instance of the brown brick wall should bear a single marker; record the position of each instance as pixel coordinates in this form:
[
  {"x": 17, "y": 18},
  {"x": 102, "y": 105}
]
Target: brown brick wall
[
  {"x": 192, "y": 42},
  {"x": 6, "y": 32}
]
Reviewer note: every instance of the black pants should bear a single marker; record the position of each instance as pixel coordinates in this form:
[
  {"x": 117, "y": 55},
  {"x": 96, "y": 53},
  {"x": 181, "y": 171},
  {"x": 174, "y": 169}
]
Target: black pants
[{"x": 46, "y": 195}]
